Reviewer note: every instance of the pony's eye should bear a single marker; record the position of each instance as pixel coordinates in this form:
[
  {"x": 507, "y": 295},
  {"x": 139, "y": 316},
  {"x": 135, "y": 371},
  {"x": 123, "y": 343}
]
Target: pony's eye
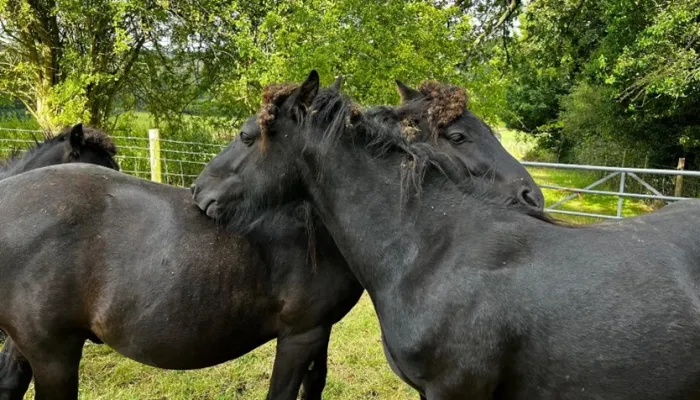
[
  {"x": 247, "y": 139},
  {"x": 457, "y": 137}
]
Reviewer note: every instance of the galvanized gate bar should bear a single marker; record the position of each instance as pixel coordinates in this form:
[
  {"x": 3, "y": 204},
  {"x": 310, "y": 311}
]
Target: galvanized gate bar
[
  {"x": 607, "y": 193},
  {"x": 611, "y": 169},
  {"x": 621, "y": 194},
  {"x": 620, "y": 198},
  {"x": 582, "y": 214},
  {"x": 646, "y": 185}
]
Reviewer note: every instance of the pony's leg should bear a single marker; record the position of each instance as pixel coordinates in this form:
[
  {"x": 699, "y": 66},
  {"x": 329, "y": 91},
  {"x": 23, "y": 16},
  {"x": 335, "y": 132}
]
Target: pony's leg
[
  {"x": 315, "y": 378},
  {"x": 294, "y": 355},
  {"x": 15, "y": 372},
  {"x": 55, "y": 364}
]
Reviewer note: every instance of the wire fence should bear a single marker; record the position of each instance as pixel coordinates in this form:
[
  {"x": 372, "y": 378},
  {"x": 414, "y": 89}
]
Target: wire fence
[{"x": 180, "y": 161}]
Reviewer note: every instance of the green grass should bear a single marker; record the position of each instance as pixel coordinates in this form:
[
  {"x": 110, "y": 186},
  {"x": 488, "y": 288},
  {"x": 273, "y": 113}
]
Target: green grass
[
  {"x": 138, "y": 121},
  {"x": 357, "y": 367}
]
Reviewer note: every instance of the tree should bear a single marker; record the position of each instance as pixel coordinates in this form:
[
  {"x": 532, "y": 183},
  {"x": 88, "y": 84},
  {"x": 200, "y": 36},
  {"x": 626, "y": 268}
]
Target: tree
[
  {"x": 70, "y": 60},
  {"x": 586, "y": 69},
  {"x": 370, "y": 43},
  {"x": 66, "y": 60}
]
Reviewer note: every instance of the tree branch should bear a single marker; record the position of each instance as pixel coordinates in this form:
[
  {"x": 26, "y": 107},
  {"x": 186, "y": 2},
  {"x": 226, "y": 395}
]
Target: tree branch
[{"x": 513, "y": 6}]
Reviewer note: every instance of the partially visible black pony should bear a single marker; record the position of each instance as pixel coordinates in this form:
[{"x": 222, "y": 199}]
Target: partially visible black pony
[{"x": 74, "y": 144}]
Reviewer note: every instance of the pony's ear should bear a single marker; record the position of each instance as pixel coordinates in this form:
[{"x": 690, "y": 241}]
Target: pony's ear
[
  {"x": 76, "y": 137},
  {"x": 338, "y": 82},
  {"x": 407, "y": 94},
  {"x": 308, "y": 89}
]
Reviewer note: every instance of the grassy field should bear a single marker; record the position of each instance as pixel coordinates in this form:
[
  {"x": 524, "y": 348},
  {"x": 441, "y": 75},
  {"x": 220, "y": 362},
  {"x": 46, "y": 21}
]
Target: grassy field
[{"x": 357, "y": 368}]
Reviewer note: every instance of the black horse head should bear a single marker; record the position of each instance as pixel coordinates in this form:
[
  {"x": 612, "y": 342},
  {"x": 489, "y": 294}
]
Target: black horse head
[
  {"x": 439, "y": 113},
  {"x": 252, "y": 174},
  {"x": 222, "y": 175},
  {"x": 75, "y": 144}
]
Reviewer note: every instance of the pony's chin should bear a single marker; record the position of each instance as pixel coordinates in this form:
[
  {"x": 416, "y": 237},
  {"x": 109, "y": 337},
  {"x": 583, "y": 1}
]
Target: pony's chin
[{"x": 213, "y": 210}]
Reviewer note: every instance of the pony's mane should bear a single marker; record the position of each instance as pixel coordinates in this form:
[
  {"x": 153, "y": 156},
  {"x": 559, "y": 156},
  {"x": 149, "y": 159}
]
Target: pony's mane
[
  {"x": 17, "y": 154},
  {"x": 13, "y": 156},
  {"x": 280, "y": 225},
  {"x": 92, "y": 137},
  {"x": 440, "y": 105},
  {"x": 445, "y": 103}
]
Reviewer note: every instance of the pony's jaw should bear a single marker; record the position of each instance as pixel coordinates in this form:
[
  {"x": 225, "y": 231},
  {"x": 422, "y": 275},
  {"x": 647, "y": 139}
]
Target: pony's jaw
[{"x": 211, "y": 201}]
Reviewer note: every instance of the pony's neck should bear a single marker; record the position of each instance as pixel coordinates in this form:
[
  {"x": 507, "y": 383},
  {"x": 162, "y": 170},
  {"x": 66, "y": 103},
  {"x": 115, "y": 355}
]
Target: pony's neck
[
  {"x": 16, "y": 166},
  {"x": 27, "y": 161},
  {"x": 359, "y": 198}
]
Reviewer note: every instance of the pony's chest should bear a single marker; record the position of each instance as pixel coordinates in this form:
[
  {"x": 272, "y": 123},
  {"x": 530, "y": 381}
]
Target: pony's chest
[{"x": 452, "y": 346}]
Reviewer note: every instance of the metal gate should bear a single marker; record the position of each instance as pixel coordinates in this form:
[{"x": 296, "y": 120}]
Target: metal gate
[{"x": 624, "y": 174}]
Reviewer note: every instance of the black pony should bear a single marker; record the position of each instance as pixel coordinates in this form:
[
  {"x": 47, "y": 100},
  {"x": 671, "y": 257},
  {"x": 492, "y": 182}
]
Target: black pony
[
  {"x": 477, "y": 299},
  {"x": 135, "y": 265},
  {"x": 436, "y": 113},
  {"x": 75, "y": 144}
]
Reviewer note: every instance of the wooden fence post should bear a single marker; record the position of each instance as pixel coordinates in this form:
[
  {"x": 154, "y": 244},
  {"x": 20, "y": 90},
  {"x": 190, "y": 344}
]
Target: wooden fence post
[
  {"x": 154, "y": 149},
  {"x": 679, "y": 178}
]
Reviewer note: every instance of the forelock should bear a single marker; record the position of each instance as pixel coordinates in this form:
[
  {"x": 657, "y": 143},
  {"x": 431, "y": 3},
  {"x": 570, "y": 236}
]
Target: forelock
[
  {"x": 273, "y": 95},
  {"x": 446, "y": 103}
]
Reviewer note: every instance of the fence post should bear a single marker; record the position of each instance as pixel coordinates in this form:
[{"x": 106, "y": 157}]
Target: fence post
[
  {"x": 679, "y": 178},
  {"x": 154, "y": 149},
  {"x": 621, "y": 200}
]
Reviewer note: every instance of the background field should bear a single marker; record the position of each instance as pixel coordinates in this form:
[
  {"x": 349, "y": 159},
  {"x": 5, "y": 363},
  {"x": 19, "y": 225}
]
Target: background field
[{"x": 357, "y": 368}]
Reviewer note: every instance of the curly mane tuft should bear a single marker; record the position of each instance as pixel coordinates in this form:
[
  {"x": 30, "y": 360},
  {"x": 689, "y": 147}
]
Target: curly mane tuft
[
  {"x": 446, "y": 103},
  {"x": 272, "y": 95},
  {"x": 98, "y": 138}
]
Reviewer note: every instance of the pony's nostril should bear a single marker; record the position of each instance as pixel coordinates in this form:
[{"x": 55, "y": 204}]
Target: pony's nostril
[{"x": 528, "y": 198}]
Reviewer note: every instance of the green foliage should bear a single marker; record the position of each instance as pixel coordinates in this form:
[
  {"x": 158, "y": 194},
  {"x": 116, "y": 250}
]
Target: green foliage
[
  {"x": 370, "y": 43},
  {"x": 71, "y": 60},
  {"x": 590, "y": 119},
  {"x": 60, "y": 58},
  {"x": 663, "y": 58},
  {"x": 619, "y": 78}
]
